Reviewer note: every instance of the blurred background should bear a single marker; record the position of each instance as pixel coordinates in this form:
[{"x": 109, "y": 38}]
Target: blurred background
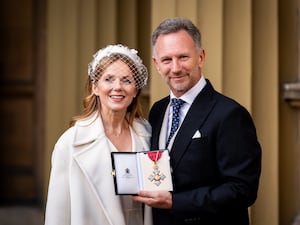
[{"x": 252, "y": 55}]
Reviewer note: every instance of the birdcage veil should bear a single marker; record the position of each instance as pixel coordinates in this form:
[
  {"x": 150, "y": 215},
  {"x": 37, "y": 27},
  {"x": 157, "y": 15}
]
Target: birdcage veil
[{"x": 111, "y": 53}]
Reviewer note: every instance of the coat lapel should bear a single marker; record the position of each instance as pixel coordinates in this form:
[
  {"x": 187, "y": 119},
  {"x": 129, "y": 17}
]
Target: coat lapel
[
  {"x": 194, "y": 119},
  {"x": 92, "y": 155}
]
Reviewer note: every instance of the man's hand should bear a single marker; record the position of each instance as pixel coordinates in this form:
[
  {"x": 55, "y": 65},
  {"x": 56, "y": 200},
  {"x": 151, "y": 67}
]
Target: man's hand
[{"x": 155, "y": 199}]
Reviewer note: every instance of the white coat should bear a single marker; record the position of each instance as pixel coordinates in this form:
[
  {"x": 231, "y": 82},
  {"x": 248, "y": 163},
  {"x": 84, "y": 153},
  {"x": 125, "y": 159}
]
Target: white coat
[{"x": 81, "y": 187}]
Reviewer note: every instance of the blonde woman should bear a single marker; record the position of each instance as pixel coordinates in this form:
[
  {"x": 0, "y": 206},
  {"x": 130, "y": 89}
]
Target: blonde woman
[{"x": 81, "y": 189}]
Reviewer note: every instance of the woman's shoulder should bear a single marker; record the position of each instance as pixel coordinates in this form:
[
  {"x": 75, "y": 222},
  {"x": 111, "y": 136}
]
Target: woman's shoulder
[
  {"x": 66, "y": 137},
  {"x": 80, "y": 127},
  {"x": 142, "y": 127}
]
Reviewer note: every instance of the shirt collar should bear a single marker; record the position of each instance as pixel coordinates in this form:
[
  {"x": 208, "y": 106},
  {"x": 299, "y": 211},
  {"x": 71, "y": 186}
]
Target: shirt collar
[{"x": 191, "y": 94}]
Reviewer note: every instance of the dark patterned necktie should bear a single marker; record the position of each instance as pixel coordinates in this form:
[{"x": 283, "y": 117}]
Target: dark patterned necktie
[{"x": 176, "y": 104}]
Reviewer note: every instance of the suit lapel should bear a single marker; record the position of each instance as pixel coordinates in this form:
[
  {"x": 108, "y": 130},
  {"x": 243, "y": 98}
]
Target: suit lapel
[
  {"x": 157, "y": 122},
  {"x": 194, "y": 119}
]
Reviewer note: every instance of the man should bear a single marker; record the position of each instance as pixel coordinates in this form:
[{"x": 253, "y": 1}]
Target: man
[{"x": 214, "y": 154}]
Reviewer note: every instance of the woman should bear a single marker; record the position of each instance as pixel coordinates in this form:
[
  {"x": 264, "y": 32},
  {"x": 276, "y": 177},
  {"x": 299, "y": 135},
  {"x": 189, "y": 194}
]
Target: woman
[{"x": 81, "y": 189}]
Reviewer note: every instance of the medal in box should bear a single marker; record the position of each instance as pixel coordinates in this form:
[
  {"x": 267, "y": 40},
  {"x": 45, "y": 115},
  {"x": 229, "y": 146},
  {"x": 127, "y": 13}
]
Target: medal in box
[{"x": 135, "y": 171}]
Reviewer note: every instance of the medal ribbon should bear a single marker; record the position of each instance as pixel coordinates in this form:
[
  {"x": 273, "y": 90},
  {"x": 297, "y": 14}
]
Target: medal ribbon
[{"x": 154, "y": 155}]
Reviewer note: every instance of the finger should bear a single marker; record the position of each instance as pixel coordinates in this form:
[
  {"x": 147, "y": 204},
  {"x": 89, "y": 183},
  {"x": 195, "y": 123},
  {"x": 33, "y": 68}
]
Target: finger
[
  {"x": 147, "y": 194},
  {"x": 140, "y": 198}
]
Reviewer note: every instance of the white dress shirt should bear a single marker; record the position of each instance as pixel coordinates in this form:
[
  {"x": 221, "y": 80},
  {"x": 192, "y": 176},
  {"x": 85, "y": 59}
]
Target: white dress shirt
[{"x": 188, "y": 97}]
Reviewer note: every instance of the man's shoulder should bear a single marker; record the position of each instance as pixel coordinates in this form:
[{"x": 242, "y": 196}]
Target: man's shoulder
[
  {"x": 161, "y": 102},
  {"x": 158, "y": 109}
]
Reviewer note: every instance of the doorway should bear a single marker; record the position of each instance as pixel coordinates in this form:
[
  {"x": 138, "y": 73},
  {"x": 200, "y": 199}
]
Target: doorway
[{"x": 22, "y": 66}]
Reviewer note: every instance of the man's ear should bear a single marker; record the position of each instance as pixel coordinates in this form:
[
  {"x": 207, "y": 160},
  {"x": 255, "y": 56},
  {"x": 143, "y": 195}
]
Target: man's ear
[
  {"x": 155, "y": 64},
  {"x": 202, "y": 57}
]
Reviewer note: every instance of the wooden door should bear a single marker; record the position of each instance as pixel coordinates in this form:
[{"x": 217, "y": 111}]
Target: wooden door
[{"x": 22, "y": 59}]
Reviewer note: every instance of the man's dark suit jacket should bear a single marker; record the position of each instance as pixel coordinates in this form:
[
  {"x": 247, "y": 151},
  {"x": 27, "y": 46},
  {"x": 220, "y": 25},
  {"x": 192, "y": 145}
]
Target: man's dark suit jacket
[{"x": 215, "y": 176}]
